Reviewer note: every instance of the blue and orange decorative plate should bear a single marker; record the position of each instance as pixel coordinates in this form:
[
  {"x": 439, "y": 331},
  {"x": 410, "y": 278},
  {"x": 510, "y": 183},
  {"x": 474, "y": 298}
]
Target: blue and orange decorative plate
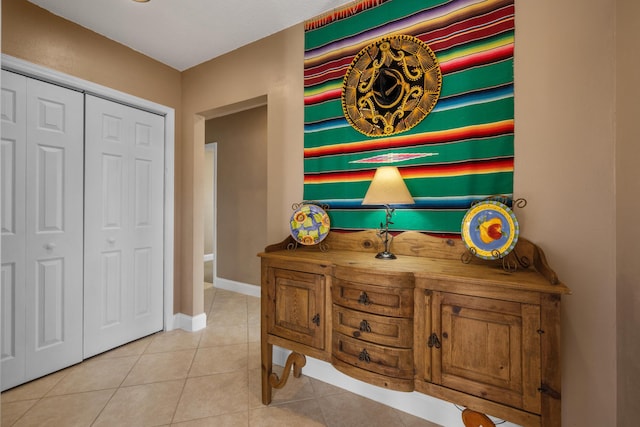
[
  {"x": 490, "y": 229},
  {"x": 309, "y": 224}
]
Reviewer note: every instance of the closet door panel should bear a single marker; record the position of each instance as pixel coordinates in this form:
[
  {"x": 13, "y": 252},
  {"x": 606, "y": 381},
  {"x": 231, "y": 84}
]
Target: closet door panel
[
  {"x": 54, "y": 231},
  {"x": 111, "y": 289},
  {"x": 124, "y": 224},
  {"x": 42, "y": 259},
  {"x": 12, "y": 220},
  {"x": 112, "y": 191},
  {"x": 112, "y": 196}
]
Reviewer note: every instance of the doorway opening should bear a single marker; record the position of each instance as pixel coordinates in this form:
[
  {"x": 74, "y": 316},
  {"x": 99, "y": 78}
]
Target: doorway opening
[
  {"x": 240, "y": 206},
  {"x": 210, "y": 191}
]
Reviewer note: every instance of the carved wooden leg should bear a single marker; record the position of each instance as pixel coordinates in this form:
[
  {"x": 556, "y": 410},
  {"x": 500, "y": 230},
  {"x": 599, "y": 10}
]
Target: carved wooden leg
[
  {"x": 267, "y": 367},
  {"x": 298, "y": 361},
  {"x": 266, "y": 349}
]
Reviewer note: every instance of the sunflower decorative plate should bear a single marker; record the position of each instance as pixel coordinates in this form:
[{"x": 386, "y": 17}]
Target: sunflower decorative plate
[
  {"x": 490, "y": 229},
  {"x": 309, "y": 224}
]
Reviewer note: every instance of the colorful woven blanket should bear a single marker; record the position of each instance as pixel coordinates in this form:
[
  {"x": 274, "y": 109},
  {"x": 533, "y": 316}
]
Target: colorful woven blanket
[{"x": 461, "y": 152}]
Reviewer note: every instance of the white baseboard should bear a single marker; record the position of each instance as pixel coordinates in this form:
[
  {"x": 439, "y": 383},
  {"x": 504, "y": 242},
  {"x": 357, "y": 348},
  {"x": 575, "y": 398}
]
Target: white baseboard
[
  {"x": 420, "y": 405},
  {"x": 241, "y": 288},
  {"x": 190, "y": 323},
  {"x": 195, "y": 323}
]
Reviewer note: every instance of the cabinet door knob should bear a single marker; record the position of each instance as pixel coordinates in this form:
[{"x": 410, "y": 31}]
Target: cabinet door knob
[
  {"x": 49, "y": 246},
  {"x": 316, "y": 319},
  {"x": 433, "y": 341}
]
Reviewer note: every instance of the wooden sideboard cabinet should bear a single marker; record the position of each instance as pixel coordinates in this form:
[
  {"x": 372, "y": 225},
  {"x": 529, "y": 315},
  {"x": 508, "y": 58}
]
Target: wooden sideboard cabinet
[{"x": 481, "y": 334}]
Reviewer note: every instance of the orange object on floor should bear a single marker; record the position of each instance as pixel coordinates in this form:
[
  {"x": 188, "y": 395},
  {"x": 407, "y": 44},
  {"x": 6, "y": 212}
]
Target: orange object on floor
[{"x": 476, "y": 419}]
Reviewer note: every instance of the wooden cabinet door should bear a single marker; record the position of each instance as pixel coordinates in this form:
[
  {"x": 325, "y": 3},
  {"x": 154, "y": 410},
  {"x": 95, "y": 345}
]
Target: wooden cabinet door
[
  {"x": 488, "y": 348},
  {"x": 296, "y": 306}
]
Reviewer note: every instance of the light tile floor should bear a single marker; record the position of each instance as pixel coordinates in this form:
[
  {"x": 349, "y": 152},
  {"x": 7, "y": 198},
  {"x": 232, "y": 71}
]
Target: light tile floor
[{"x": 206, "y": 378}]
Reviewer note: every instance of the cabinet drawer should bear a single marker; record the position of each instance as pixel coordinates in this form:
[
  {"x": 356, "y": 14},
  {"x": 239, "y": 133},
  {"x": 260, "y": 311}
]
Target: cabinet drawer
[
  {"x": 383, "y": 300},
  {"x": 389, "y": 361},
  {"x": 380, "y": 277},
  {"x": 384, "y": 330}
]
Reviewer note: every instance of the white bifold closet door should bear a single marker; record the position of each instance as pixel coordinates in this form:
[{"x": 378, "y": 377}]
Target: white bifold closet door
[
  {"x": 42, "y": 203},
  {"x": 124, "y": 181}
]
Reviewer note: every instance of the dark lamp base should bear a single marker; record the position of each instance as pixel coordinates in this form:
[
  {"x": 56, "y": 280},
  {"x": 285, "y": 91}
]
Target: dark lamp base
[{"x": 385, "y": 255}]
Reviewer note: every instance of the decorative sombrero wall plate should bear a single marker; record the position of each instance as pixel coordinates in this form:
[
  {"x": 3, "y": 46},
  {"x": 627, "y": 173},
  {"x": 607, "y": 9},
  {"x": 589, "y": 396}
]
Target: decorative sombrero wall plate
[
  {"x": 391, "y": 85},
  {"x": 309, "y": 224},
  {"x": 490, "y": 229}
]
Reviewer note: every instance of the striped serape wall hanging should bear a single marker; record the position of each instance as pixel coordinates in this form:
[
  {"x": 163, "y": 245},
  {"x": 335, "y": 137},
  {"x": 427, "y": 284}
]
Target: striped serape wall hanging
[{"x": 433, "y": 80}]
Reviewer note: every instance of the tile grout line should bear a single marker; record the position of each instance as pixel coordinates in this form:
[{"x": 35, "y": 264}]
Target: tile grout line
[
  {"x": 175, "y": 410},
  {"x": 184, "y": 384},
  {"x": 123, "y": 380}
]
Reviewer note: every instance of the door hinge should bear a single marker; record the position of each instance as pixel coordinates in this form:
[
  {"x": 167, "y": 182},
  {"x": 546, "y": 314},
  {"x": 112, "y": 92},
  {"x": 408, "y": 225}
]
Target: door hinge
[{"x": 544, "y": 388}]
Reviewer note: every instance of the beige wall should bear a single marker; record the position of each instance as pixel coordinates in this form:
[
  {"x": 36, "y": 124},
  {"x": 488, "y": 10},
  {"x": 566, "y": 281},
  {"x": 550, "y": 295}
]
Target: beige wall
[
  {"x": 270, "y": 71},
  {"x": 565, "y": 115},
  {"x": 628, "y": 206},
  {"x": 242, "y": 192},
  {"x": 35, "y": 35},
  {"x": 566, "y": 111}
]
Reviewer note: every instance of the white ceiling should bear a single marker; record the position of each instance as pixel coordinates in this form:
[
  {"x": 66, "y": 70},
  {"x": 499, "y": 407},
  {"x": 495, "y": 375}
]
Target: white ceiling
[{"x": 185, "y": 33}]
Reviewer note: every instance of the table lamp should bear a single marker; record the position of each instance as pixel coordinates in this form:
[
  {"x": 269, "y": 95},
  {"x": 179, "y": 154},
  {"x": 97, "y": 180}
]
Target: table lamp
[{"x": 387, "y": 188}]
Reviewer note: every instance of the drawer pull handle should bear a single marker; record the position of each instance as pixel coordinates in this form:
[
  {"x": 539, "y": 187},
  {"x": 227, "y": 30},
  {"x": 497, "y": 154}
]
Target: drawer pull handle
[
  {"x": 433, "y": 341},
  {"x": 364, "y": 299},
  {"x": 364, "y": 326},
  {"x": 316, "y": 319},
  {"x": 364, "y": 356}
]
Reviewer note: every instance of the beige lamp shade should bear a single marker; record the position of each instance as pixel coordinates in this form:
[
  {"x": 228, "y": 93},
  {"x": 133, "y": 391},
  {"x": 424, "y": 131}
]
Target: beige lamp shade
[{"x": 388, "y": 188}]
